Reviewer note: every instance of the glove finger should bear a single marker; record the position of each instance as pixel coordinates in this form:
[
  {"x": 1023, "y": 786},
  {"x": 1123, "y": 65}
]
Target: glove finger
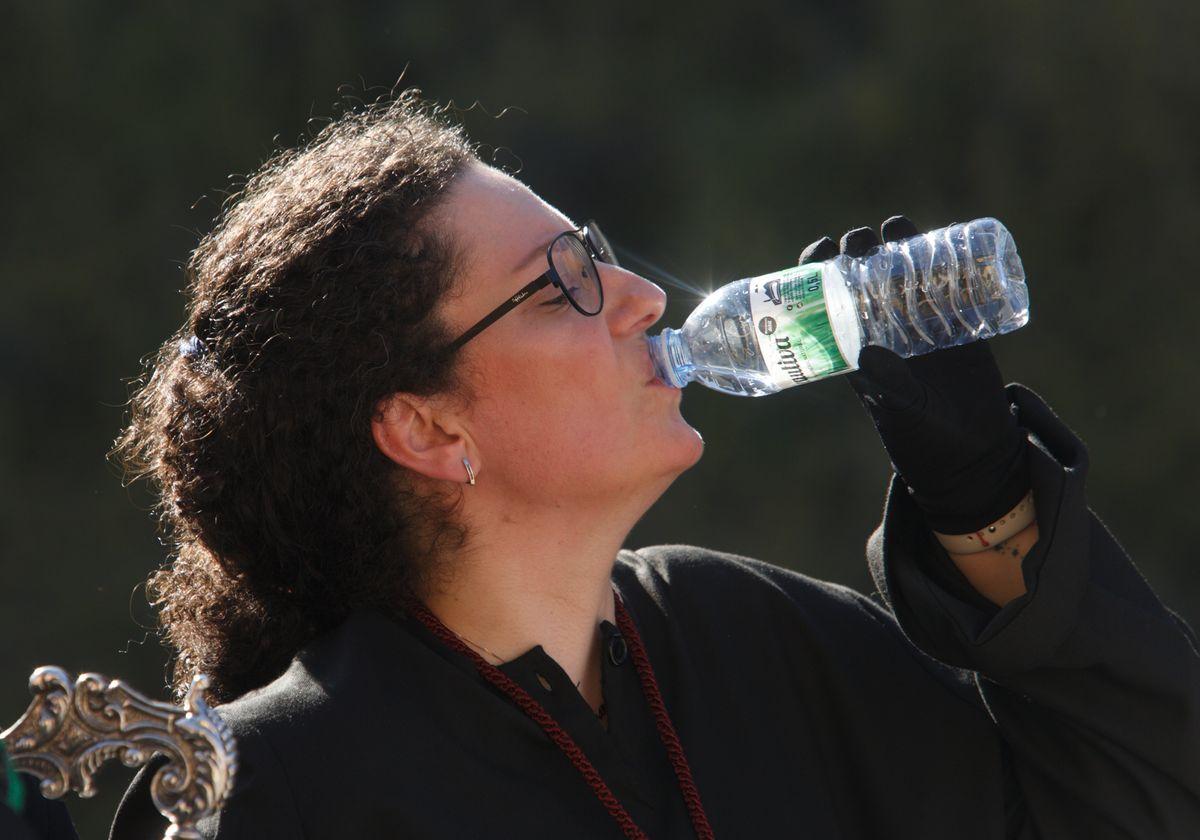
[
  {"x": 819, "y": 251},
  {"x": 886, "y": 379},
  {"x": 897, "y": 228},
  {"x": 857, "y": 242},
  {"x": 868, "y": 391}
]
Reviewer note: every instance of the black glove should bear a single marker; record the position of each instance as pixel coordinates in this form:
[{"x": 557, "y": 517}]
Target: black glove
[{"x": 943, "y": 417}]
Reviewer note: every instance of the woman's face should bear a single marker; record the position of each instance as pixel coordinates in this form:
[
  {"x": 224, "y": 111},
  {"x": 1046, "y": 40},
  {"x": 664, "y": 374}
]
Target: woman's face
[{"x": 566, "y": 406}]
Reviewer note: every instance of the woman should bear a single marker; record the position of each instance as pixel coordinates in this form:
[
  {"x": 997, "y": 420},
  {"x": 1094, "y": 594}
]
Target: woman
[{"x": 400, "y": 441}]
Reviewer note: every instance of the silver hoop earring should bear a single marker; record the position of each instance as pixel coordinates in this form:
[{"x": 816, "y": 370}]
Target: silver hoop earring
[{"x": 470, "y": 472}]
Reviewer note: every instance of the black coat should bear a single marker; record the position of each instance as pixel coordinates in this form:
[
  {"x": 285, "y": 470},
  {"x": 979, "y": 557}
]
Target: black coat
[{"x": 805, "y": 708}]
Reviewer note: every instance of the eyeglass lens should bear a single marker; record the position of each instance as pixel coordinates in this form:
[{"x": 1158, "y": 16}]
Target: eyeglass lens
[
  {"x": 600, "y": 243},
  {"x": 577, "y": 272},
  {"x": 576, "y": 269}
]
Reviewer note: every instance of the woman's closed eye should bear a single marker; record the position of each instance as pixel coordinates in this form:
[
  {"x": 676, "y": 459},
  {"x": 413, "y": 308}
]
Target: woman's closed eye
[{"x": 558, "y": 301}]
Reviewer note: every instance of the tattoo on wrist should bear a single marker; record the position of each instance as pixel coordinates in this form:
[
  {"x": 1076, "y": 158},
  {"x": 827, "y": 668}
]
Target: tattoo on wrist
[{"x": 1005, "y": 547}]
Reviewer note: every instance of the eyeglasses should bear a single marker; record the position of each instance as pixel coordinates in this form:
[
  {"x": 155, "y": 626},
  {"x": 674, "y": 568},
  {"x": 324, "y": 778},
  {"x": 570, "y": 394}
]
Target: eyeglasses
[{"x": 572, "y": 259}]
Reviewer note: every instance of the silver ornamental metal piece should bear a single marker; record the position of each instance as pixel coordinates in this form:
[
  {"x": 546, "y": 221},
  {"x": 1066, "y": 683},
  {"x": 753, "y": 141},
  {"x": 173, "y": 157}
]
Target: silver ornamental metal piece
[{"x": 68, "y": 731}]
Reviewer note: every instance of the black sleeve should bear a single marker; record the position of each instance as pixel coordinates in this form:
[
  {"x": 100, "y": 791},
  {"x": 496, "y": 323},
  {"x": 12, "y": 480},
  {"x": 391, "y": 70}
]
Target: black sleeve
[
  {"x": 260, "y": 805},
  {"x": 136, "y": 817},
  {"x": 12, "y": 827},
  {"x": 1093, "y": 683},
  {"x": 40, "y": 819}
]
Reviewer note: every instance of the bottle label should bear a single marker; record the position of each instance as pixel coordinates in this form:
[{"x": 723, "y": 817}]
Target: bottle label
[{"x": 791, "y": 323}]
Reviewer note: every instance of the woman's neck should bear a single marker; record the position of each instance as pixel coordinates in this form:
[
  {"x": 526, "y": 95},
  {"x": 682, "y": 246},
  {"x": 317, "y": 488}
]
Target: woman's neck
[
  {"x": 551, "y": 595},
  {"x": 538, "y": 571}
]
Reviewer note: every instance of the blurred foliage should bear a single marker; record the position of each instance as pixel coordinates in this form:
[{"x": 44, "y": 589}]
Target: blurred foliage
[{"x": 713, "y": 142}]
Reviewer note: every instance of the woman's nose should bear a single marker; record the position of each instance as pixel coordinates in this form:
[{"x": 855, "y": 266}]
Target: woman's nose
[{"x": 633, "y": 303}]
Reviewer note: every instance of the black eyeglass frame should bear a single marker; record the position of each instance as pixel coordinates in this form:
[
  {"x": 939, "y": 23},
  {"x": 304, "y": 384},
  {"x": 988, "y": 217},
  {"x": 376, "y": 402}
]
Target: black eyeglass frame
[{"x": 549, "y": 276}]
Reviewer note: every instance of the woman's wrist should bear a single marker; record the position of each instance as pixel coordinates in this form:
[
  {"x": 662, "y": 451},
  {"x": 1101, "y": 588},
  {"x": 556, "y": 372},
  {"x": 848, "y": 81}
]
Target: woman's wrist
[{"x": 1013, "y": 522}]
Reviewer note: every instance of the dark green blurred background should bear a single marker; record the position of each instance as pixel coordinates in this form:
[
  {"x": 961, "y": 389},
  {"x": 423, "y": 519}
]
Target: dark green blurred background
[{"x": 714, "y": 139}]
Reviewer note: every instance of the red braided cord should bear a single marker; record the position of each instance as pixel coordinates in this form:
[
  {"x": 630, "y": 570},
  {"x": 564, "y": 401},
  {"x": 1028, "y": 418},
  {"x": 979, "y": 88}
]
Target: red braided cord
[
  {"x": 535, "y": 710},
  {"x": 531, "y": 707},
  {"x": 666, "y": 731}
]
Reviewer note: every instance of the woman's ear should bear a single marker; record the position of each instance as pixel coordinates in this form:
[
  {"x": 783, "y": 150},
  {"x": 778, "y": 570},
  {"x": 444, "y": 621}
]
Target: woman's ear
[{"x": 412, "y": 432}]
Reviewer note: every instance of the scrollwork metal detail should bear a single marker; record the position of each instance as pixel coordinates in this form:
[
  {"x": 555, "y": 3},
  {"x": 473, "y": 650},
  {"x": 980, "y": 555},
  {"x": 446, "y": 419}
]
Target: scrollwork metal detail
[{"x": 69, "y": 730}]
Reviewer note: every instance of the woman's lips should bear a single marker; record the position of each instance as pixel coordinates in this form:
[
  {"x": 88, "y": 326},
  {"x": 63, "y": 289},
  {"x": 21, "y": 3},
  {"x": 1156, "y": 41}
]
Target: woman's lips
[{"x": 649, "y": 370}]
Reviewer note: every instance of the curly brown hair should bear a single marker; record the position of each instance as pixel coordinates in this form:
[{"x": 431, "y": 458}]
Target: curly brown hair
[{"x": 311, "y": 300}]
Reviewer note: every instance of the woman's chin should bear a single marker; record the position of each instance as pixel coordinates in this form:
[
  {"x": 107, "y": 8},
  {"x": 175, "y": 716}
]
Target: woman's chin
[{"x": 688, "y": 445}]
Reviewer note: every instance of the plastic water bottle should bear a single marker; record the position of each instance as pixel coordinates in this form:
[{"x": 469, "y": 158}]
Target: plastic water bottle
[{"x": 762, "y": 334}]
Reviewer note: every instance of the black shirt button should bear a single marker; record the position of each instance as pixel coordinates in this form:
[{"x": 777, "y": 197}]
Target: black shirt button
[{"x": 618, "y": 651}]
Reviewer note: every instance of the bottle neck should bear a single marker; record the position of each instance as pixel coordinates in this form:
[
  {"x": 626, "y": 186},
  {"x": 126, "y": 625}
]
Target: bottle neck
[{"x": 671, "y": 357}]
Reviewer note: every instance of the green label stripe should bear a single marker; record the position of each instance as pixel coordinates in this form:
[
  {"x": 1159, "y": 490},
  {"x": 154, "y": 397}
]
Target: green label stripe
[{"x": 792, "y": 326}]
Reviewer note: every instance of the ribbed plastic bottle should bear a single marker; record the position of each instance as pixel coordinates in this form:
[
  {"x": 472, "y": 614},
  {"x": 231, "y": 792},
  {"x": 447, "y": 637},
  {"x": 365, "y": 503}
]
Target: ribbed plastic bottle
[{"x": 759, "y": 335}]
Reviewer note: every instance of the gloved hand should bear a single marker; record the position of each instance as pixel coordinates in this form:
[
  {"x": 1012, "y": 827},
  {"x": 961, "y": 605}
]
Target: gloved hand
[{"x": 943, "y": 417}]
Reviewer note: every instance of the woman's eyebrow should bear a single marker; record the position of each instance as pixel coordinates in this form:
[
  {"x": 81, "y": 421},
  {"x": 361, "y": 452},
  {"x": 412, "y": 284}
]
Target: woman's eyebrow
[{"x": 539, "y": 250}]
